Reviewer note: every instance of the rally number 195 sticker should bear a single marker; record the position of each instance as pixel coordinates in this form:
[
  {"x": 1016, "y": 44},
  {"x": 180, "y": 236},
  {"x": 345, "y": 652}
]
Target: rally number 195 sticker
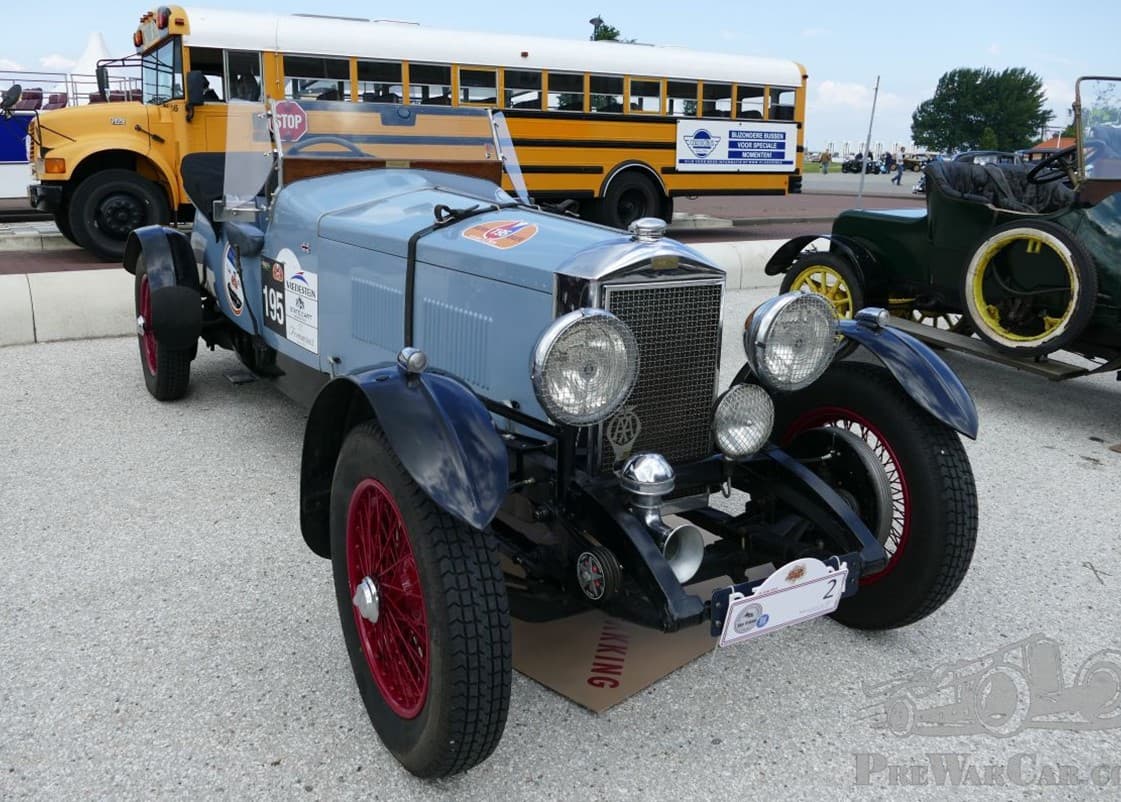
[{"x": 290, "y": 298}]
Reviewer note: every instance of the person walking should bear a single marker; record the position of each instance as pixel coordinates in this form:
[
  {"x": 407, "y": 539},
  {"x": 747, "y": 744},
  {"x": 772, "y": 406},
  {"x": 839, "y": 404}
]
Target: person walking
[
  {"x": 826, "y": 158},
  {"x": 897, "y": 179}
]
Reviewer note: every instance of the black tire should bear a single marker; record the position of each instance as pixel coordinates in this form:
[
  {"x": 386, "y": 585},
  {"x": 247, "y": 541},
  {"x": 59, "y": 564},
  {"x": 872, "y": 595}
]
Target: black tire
[
  {"x": 109, "y": 204},
  {"x": 1023, "y": 329},
  {"x": 934, "y": 499},
  {"x": 832, "y": 277},
  {"x": 629, "y": 196},
  {"x": 62, "y": 222},
  {"x": 452, "y": 717},
  {"x": 167, "y": 372}
]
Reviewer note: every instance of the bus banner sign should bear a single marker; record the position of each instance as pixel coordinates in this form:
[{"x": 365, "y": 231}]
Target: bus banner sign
[
  {"x": 736, "y": 146},
  {"x": 291, "y": 120}
]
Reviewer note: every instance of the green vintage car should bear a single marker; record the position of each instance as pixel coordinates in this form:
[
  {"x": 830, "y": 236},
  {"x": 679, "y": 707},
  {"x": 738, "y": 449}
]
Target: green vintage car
[{"x": 1010, "y": 261}]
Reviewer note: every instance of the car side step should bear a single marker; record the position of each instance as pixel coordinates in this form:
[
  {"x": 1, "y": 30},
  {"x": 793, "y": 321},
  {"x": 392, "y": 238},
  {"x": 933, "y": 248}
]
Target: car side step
[{"x": 1053, "y": 369}]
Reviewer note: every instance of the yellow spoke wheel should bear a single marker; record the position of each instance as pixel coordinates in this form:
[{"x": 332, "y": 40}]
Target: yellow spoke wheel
[
  {"x": 1029, "y": 288},
  {"x": 834, "y": 278}
]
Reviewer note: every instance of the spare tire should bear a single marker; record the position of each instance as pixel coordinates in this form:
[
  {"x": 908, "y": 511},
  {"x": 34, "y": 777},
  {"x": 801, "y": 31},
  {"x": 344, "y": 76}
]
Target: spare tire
[{"x": 1029, "y": 288}]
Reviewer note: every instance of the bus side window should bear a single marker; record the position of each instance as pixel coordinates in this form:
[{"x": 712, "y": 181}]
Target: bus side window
[
  {"x": 478, "y": 86},
  {"x": 379, "y": 81},
  {"x": 244, "y": 69},
  {"x": 430, "y": 84},
  {"x": 682, "y": 98},
  {"x": 522, "y": 89},
  {"x": 208, "y": 61},
  {"x": 566, "y": 91},
  {"x": 607, "y": 94},
  {"x": 316, "y": 78},
  {"x": 749, "y": 102},
  {"x": 717, "y": 100},
  {"x": 782, "y": 104},
  {"x": 646, "y": 96}
]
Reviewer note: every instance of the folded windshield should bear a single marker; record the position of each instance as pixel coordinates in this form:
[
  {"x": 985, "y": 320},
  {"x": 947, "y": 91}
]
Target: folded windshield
[
  {"x": 292, "y": 139},
  {"x": 1098, "y": 101}
]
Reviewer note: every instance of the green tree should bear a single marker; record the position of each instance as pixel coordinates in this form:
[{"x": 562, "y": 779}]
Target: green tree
[
  {"x": 975, "y": 108},
  {"x": 606, "y": 33}
]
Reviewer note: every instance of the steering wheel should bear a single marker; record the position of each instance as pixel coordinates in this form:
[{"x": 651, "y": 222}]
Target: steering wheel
[
  {"x": 1058, "y": 166},
  {"x": 310, "y": 142}
]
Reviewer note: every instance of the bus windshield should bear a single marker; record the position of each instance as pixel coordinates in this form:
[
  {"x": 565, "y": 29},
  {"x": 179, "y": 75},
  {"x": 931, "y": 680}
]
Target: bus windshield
[
  {"x": 160, "y": 72},
  {"x": 312, "y": 138}
]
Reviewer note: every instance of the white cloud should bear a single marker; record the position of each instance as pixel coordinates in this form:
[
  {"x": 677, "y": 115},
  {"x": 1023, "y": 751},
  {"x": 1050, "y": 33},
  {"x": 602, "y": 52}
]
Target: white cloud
[
  {"x": 8, "y": 64},
  {"x": 813, "y": 33},
  {"x": 56, "y": 62},
  {"x": 852, "y": 96},
  {"x": 1060, "y": 96},
  {"x": 994, "y": 49}
]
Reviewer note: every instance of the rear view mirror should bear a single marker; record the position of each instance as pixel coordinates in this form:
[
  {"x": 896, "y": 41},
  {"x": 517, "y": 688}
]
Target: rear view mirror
[
  {"x": 197, "y": 84},
  {"x": 11, "y": 97},
  {"x": 103, "y": 81}
]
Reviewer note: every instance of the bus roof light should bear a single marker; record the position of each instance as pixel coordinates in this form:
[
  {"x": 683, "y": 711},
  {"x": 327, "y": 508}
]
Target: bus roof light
[
  {"x": 137, "y": 38},
  {"x": 163, "y": 17}
]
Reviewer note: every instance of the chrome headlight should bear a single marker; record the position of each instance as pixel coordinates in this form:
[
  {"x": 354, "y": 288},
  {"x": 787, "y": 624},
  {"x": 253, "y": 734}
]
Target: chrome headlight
[
  {"x": 584, "y": 367},
  {"x": 790, "y": 340},
  {"x": 743, "y": 421}
]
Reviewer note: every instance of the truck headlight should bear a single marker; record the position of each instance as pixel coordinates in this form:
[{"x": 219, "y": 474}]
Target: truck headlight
[
  {"x": 743, "y": 421},
  {"x": 584, "y": 367},
  {"x": 789, "y": 340}
]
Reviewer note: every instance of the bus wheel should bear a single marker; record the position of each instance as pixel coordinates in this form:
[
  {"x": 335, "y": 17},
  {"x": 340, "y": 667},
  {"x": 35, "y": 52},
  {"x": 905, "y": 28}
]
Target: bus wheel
[
  {"x": 62, "y": 222},
  {"x": 629, "y": 196},
  {"x": 110, "y": 204}
]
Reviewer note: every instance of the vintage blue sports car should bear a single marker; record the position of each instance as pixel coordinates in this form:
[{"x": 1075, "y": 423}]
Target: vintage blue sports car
[{"x": 513, "y": 412}]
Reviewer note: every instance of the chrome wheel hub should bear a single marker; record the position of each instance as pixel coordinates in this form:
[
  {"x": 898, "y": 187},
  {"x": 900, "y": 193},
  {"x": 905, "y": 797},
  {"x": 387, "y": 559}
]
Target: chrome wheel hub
[
  {"x": 141, "y": 325},
  {"x": 367, "y": 599}
]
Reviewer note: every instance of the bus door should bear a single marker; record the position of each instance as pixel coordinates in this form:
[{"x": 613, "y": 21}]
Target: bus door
[{"x": 232, "y": 76}]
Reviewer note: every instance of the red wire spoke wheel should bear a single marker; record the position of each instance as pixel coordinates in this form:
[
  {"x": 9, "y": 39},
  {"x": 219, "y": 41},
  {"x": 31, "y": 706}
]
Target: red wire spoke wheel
[
  {"x": 932, "y": 530},
  {"x": 380, "y": 561},
  {"x": 422, "y": 604},
  {"x": 166, "y": 371}
]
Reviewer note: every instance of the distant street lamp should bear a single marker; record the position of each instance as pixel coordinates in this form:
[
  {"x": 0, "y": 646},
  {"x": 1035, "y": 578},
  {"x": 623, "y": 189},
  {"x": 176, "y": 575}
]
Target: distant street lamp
[{"x": 595, "y": 22}]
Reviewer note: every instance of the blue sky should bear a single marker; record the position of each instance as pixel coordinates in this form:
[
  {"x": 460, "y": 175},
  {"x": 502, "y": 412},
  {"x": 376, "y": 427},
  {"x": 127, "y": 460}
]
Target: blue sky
[{"x": 843, "y": 51}]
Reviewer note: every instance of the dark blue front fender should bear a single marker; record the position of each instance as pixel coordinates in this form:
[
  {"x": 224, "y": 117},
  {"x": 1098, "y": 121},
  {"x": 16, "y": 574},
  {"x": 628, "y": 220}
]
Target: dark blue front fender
[
  {"x": 439, "y": 430},
  {"x": 173, "y": 279},
  {"x": 921, "y": 372}
]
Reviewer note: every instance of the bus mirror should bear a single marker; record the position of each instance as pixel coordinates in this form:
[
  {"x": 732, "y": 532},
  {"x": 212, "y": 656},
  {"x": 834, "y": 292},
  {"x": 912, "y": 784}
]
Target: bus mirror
[
  {"x": 197, "y": 84},
  {"x": 103, "y": 81},
  {"x": 11, "y": 97}
]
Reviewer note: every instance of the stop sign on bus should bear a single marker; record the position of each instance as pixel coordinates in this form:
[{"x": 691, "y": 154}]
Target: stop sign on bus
[{"x": 291, "y": 120}]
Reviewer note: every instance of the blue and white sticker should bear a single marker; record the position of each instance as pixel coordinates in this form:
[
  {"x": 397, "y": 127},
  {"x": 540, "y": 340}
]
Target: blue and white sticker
[
  {"x": 291, "y": 300},
  {"x": 231, "y": 279}
]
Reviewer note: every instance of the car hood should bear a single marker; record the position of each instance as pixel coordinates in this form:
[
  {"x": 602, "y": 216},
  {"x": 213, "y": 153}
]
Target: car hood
[{"x": 381, "y": 210}]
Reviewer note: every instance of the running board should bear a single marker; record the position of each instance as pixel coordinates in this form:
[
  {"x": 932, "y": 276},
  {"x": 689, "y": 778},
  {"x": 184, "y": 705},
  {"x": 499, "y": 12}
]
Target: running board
[{"x": 1053, "y": 369}]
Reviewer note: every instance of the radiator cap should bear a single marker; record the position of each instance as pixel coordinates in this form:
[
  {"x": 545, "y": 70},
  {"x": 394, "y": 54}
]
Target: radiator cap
[{"x": 647, "y": 229}]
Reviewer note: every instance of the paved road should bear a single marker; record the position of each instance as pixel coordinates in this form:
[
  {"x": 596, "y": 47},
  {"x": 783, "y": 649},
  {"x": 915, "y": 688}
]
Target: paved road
[{"x": 164, "y": 633}]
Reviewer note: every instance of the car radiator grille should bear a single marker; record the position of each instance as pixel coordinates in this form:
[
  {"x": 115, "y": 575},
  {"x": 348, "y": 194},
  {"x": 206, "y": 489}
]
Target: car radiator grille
[{"x": 677, "y": 327}]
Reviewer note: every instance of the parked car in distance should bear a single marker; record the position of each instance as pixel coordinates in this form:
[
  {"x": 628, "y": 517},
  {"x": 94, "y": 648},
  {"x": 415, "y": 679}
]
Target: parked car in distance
[
  {"x": 988, "y": 157},
  {"x": 855, "y": 164},
  {"x": 916, "y": 161},
  {"x": 1026, "y": 256}
]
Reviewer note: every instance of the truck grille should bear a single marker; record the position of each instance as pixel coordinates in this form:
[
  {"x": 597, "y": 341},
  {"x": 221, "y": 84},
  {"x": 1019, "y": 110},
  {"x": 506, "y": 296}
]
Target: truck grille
[{"x": 678, "y": 331}]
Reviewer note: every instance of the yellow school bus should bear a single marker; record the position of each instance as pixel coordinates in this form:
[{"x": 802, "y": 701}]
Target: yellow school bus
[{"x": 619, "y": 128}]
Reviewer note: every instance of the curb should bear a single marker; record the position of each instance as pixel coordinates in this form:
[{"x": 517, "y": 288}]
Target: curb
[
  {"x": 82, "y": 304},
  {"x": 34, "y": 241}
]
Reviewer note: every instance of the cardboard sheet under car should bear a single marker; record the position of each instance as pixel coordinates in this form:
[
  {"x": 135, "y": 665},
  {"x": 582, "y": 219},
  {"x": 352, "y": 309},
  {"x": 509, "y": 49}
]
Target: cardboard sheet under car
[{"x": 598, "y": 661}]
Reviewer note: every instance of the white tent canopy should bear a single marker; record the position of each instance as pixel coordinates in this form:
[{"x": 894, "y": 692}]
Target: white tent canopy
[{"x": 96, "y": 49}]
